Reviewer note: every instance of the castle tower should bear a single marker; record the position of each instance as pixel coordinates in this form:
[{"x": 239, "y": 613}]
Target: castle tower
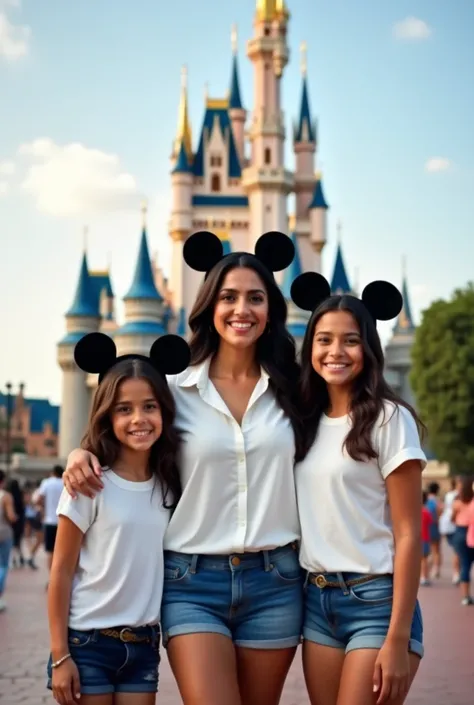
[
  {"x": 318, "y": 221},
  {"x": 266, "y": 181},
  {"x": 304, "y": 146},
  {"x": 398, "y": 350},
  {"x": 144, "y": 306},
  {"x": 340, "y": 280},
  {"x": 82, "y": 317},
  {"x": 237, "y": 113},
  {"x": 297, "y": 318}
]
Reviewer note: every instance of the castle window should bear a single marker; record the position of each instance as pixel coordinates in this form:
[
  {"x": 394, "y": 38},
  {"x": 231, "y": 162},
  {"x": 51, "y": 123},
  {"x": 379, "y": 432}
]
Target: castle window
[
  {"x": 267, "y": 31},
  {"x": 216, "y": 161},
  {"x": 267, "y": 155},
  {"x": 215, "y": 183}
]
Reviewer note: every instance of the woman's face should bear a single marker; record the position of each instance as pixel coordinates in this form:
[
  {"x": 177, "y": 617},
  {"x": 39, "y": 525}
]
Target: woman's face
[
  {"x": 241, "y": 309},
  {"x": 337, "y": 353}
]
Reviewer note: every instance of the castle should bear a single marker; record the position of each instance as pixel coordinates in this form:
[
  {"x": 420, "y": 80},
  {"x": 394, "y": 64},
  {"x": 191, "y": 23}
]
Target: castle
[{"x": 236, "y": 184}]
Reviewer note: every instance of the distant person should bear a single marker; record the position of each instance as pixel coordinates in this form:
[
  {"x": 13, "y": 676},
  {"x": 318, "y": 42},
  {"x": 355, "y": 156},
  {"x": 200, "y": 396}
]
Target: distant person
[
  {"x": 13, "y": 487},
  {"x": 47, "y": 495},
  {"x": 447, "y": 527},
  {"x": 435, "y": 507},
  {"x": 7, "y": 518},
  {"x": 426, "y": 521},
  {"x": 33, "y": 525},
  {"x": 463, "y": 510}
]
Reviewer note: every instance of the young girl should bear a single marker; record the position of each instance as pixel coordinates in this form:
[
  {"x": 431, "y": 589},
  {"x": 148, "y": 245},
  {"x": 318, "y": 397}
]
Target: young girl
[
  {"x": 107, "y": 573},
  {"x": 359, "y": 497}
]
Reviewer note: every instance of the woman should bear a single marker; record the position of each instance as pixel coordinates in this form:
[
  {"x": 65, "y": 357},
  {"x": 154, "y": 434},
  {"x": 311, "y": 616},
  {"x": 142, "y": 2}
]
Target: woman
[
  {"x": 462, "y": 516},
  {"x": 359, "y": 497},
  {"x": 13, "y": 487},
  {"x": 447, "y": 527},
  {"x": 232, "y": 601},
  {"x": 7, "y": 519}
]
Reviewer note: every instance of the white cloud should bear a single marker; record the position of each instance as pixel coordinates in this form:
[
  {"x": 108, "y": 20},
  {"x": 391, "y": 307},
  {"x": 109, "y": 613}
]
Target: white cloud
[
  {"x": 14, "y": 38},
  {"x": 73, "y": 179},
  {"x": 412, "y": 28},
  {"x": 436, "y": 164},
  {"x": 7, "y": 168},
  {"x": 3, "y": 188}
]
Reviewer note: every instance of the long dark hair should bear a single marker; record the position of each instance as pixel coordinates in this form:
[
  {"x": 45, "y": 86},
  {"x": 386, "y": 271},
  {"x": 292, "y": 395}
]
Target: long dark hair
[
  {"x": 370, "y": 389},
  {"x": 466, "y": 492},
  {"x": 276, "y": 350},
  {"x": 100, "y": 439}
]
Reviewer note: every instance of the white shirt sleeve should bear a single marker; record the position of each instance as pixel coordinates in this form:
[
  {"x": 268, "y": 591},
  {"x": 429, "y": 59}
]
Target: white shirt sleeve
[
  {"x": 81, "y": 511},
  {"x": 397, "y": 439}
]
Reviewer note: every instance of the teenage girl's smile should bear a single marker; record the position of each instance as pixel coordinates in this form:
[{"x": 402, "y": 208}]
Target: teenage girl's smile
[
  {"x": 241, "y": 311},
  {"x": 337, "y": 354},
  {"x": 136, "y": 418}
]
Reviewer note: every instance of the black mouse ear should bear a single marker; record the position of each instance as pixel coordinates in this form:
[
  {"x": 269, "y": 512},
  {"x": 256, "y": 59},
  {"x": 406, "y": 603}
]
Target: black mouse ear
[
  {"x": 309, "y": 289},
  {"x": 383, "y": 300},
  {"x": 202, "y": 251},
  {"x": 170, "y": 354},
  {"x": 95, "y": 353},
  {"x": 275, "y": 250}
]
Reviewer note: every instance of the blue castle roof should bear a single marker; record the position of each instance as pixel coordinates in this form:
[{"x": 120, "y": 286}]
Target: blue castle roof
[
  {"x": 215, "y": 111},
  {"x": 84, "y": 303},
  {"x": 227, "y": 247},
  {"x": 182, "y": 163},
  {"x": 181, "y": 327},
  {"x": 143, "y": 284},
  {"x": 235, "y": 100},
  {"x": 318, "y": 200},
  {"x": 141, "y": 328},
  {"x": 340, "y": 281},
  {"x": 41, "y": 413},
  {"x": 293, "y": 271},
  {"x": 404, "y": 323},
  {"x": 305, "y": 130}
]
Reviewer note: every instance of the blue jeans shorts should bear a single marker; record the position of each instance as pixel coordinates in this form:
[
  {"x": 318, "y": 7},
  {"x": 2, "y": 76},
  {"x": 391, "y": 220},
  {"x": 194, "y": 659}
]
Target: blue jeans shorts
[
  {"x": 115, "y": 665},
  {"x": 348, "y": 616},
  {"x": 426, "y": 547},
  {"x": 255, "y": 599}
]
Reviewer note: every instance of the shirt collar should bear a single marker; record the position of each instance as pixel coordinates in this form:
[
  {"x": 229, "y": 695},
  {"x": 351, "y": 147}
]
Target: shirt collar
[{"x": 198, "y": 375}]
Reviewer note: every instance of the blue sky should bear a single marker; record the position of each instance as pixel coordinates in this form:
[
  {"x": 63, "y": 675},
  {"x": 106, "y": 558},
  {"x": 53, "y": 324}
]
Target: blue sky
[{"x": 390, "y": 83}]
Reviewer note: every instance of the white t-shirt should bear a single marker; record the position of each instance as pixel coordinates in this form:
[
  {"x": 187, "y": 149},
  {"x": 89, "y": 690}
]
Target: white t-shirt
[
  {"x": 446, "y": 525},
  {"x": 119, "y": 576},
  {"x": 344, "y": 512},
  {"x": 238, "y": 481},
  {"x": 50, "y": 489}
]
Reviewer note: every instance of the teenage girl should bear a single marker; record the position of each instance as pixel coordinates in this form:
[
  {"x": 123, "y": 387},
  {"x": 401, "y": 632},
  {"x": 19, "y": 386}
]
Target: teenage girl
[
  {"x": 233, "y": 600},
  {"x": 107, "y": 573},
  {"x": 462, "y": 516},
  {"x": 359, "y": 497}
]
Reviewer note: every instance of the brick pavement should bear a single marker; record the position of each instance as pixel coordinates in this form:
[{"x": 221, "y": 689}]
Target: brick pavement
[{"x": 445, "y": 676}]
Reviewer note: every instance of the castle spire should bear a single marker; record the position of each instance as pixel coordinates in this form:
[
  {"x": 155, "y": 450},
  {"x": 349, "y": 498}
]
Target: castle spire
[
  {"x": 340, "y": 280},
  {"x": 83, "y": 303},
  {"x": 143, "y": 284},
  {"x": 184, "y": 135},
  {"x": 235, "y": 100},
  {"x": 305, "y": 129},
  {"x": 404, "y": 323},
  {"x": 268, "y": 10}
]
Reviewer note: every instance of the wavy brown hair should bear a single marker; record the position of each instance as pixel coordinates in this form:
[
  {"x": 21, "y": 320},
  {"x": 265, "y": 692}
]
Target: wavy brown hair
[
  {"x": 370, "y": 389},
  {"x": 275, "y": 350},
  {"x": 100, "y": 439}
]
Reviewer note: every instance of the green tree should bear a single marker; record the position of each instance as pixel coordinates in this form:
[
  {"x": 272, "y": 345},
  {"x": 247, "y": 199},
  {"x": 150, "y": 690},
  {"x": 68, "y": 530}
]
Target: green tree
[{"x": 442, "y": 378}]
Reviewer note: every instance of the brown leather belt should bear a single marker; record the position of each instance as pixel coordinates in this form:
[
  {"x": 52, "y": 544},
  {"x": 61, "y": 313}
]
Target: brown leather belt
[
  {"x": 321, "y": 581},
  {"x": 127, "y": 635}
]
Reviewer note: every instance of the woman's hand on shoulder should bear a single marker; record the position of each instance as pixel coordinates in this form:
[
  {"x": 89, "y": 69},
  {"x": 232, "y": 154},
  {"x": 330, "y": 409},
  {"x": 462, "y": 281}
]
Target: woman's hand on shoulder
[{"x": 82, "y": 474}]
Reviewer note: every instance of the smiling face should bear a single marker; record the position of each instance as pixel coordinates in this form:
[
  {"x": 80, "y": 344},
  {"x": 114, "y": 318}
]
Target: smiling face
[
  {"x": 241, "y": 309},
  {"x": 337, "y": 352},
  {"x": 136, "y": 416}
]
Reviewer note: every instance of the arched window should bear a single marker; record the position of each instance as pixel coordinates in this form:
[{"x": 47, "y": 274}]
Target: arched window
[
  {"x": 267, "y": 155},
  {"x": 215, "y": 183}
]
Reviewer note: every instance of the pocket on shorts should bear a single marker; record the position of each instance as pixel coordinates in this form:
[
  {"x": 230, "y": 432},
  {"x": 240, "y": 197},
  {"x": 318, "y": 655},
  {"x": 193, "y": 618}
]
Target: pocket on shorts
[
  {"x": 378, "y": 591},
  {"x": 78, "y": 639},
  {"x": 288, "y": 568},
  {"x": 175, "y": 571}
]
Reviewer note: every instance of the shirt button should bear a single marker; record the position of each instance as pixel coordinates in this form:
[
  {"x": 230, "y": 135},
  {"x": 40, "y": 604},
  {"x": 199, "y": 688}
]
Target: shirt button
[{"x": 235, "y": 560}]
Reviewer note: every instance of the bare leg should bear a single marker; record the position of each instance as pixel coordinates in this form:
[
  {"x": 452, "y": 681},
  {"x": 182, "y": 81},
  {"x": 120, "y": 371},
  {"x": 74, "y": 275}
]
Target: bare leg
[
  {"x": 436, "y": 558},
  {"x": 107, "y": 699},
  {"x": 356, "y": 687},
  {"x": 205, "y": 669},
  {"x": 322, "y": 667},
  {"x": 133, "y": 699},
  {"x": 262, "y": 674}
]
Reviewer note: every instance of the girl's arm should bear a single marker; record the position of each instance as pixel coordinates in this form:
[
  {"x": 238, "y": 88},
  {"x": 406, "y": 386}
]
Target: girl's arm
[
  {"x": 405, "y": 499},
  {"x": 455, "y": 509},
  {"x": 66, "y": 553},
  {"x": 9, "y": 508}
]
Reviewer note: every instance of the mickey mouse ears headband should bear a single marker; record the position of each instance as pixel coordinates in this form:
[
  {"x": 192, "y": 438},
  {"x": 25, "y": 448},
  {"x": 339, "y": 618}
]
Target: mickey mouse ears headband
[
  {"x": 96, "y": 353},
  {"x": 382, "y": 299},
  {"x": 203, "y": 250}
]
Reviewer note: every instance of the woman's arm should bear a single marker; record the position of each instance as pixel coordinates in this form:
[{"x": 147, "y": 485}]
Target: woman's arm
[
  {"x": 66, "y": 553},
  {"x": 82, "y": 474},
  {"x": 9, "y": 508},
  {"x": 455, "y": 509}
]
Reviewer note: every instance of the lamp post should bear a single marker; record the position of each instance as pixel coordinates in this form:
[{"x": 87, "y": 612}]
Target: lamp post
[{"x": 8, "y": 428}]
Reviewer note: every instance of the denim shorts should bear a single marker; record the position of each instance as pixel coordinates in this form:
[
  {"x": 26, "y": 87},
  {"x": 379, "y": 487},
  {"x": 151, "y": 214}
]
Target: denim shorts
[
  {"x": 353, "y": 616},
  {"x": 255, "y": 599},
  {"x": 426, "y": 547},
  {"x": 110, "y": 665}
]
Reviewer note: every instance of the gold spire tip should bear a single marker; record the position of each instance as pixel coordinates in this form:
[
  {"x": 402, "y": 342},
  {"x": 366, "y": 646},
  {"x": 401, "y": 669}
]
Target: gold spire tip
[
  {"x": 304, "y": 58},
  {"x": 234, "y": 40}
]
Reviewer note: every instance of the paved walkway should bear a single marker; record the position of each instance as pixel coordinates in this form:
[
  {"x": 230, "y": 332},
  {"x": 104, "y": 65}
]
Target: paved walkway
[{"x": 445, "y": 676}]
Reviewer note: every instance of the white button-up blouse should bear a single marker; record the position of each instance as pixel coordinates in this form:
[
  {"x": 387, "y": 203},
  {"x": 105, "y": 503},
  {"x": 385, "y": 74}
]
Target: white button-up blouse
[{"x": 238, "y": 481}]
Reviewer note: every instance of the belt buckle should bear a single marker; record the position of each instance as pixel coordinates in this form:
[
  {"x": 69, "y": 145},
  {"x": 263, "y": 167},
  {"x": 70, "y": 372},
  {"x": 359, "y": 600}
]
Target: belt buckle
[
  {"x": 126, "y": 634},
  {"x": 321, "y": 581}
]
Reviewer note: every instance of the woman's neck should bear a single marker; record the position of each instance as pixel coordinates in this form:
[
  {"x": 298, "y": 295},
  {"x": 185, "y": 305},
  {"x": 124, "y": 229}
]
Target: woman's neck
[
  {"x": 339, "y": 401},
  {"x": 232, "y": 363},
  {"x": 132, "y": 465}
]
